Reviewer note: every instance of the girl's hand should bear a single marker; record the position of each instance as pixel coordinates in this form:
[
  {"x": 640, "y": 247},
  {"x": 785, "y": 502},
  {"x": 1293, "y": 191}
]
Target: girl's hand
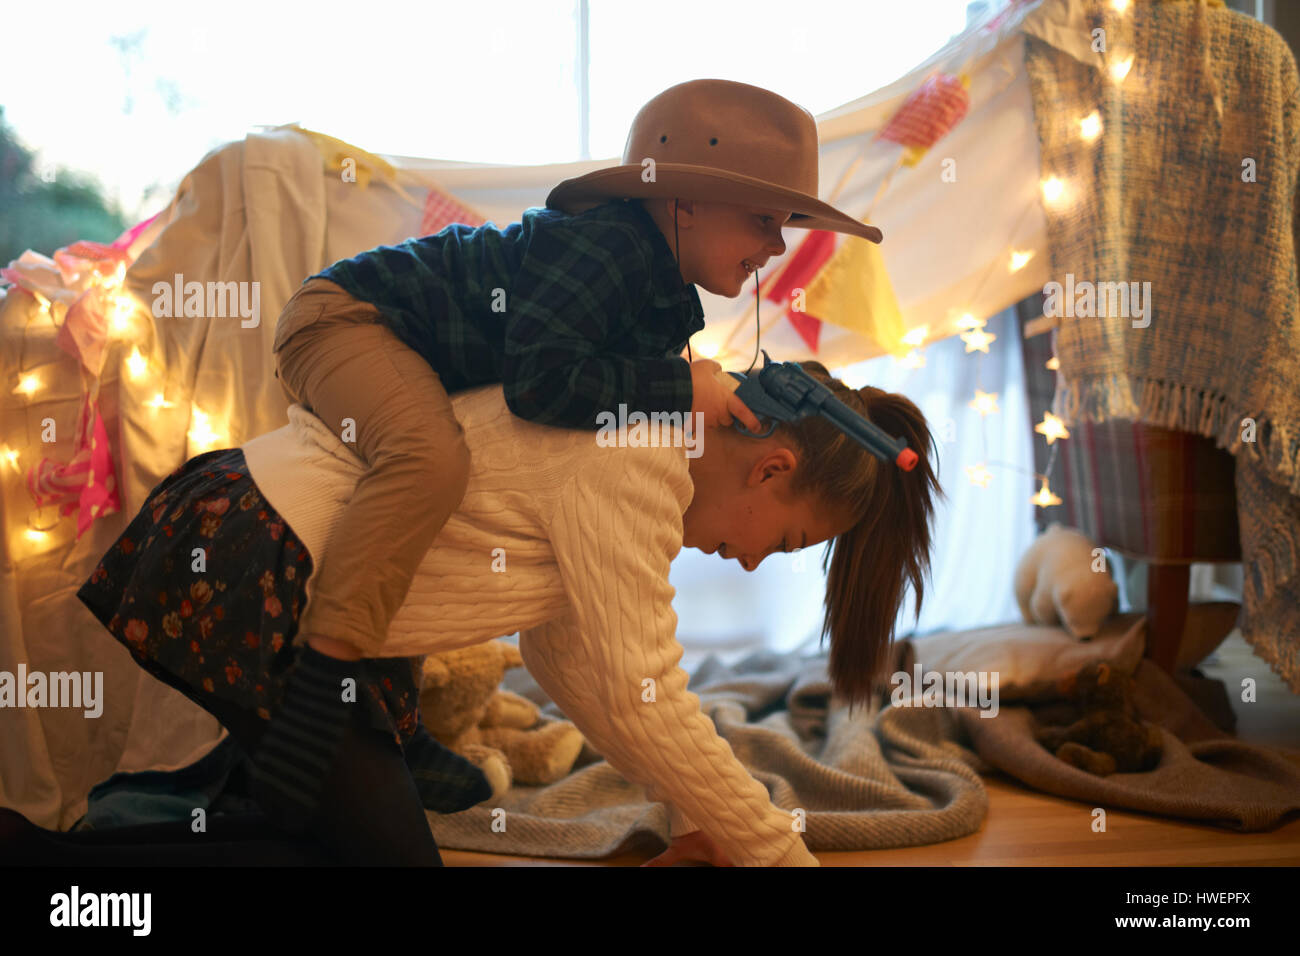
[
  {"x": 713, "y": 394},
  {"x": 691, "y": 846}
]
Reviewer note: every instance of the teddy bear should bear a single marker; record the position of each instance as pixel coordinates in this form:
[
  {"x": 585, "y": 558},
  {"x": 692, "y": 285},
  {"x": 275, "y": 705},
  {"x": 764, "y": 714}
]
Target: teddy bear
[
  {"x": 1096, "y": 726},
  {"x": 503, "y": 734},
  {"x": 1055, "y": 583}
]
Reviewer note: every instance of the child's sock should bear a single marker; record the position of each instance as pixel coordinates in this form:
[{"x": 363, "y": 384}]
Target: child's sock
[
  {"x": 289, "y": 768},
  {"x": 446, "y": 781}
]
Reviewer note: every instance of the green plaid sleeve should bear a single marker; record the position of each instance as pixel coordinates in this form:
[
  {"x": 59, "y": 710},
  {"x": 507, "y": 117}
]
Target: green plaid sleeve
[{"x": 573, "y": 347}]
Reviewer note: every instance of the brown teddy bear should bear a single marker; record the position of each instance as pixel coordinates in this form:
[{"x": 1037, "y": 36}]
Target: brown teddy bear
[
  {"x": 504, "y": 735},
  {"x": 1097, "y": 728},
  {"x": 1056, "y": 583}
]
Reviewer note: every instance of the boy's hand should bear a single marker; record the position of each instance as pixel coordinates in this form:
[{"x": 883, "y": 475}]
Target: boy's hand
[
  {"x": 713, "y": 393},
  {"x": 694, "y": 846}
]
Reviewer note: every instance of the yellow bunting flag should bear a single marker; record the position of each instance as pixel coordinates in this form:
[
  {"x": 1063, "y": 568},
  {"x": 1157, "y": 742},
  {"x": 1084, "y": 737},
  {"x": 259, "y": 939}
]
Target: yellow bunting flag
[
  {"x": 853, "y": 291},
  {"x": 340, "y": 156}
]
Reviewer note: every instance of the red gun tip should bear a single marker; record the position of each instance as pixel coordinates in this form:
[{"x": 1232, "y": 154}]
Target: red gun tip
[{"x": 906, "y": 459}]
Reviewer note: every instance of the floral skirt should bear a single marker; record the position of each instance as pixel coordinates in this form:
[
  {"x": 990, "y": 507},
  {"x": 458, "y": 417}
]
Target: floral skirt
[{"x": 205, "y": 587}]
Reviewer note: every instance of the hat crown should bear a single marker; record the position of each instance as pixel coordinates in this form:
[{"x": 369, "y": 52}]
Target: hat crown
[{"x": 730, "y": 126}]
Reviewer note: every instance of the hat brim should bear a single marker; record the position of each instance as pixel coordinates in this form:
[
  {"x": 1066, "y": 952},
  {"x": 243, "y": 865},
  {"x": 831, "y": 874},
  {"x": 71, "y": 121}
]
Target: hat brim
[{"x": 682, "y": 181}]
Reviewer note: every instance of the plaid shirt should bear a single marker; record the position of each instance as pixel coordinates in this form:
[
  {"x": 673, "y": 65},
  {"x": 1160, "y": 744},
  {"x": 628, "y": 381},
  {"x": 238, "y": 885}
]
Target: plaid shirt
[{"x": 572, "y": 314}]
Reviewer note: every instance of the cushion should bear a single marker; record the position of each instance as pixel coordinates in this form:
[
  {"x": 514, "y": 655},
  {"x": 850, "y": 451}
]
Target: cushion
[{"x": 1030, "y": 659}]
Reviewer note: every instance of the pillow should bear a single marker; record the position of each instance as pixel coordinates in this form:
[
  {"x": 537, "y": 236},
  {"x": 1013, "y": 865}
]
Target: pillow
[{"x": 1030, "y": 659}]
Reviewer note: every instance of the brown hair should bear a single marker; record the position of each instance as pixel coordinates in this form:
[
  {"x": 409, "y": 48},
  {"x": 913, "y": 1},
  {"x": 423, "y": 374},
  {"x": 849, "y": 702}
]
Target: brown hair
[{"x": 888, "y": 545}]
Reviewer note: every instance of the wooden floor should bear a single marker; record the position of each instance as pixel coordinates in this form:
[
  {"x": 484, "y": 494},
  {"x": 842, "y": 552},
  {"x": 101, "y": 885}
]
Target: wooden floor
[{"x": 1027, "y": 828}]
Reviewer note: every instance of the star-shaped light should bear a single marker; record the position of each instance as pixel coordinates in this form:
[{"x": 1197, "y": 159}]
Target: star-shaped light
[
  {"x": 159, "y": 402},
  {"x": 119, "y": 321},
  {"x": 137, "y": 364},
  {"x": 1051, "y": 428},
  {"x": 28, "y": 385},
  {"x": 1053, "y": 189},
  {"x": 1053, "y": 363},
  {"x": 979, "y": 475},
  {"x": 985, "y": 402},
  {"x": 912, "y": 359},
  {"x": 10, "y": 457},
  {"x": 1018, "y": 260},
  {"x": 203, "y": 435},
  {"x": 1044, "y": 497},
  {"x": 916, "y": 336},
  {"x": 977, "y": 340},
  {"x": 1090, "y": 126}
]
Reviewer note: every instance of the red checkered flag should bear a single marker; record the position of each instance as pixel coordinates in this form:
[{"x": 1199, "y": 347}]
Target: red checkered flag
[{"x": 441, "y": 209}]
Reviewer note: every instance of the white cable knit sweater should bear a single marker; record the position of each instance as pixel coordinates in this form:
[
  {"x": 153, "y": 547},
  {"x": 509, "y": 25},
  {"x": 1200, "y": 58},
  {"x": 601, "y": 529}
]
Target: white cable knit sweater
[{"x": 587, "y": 534}]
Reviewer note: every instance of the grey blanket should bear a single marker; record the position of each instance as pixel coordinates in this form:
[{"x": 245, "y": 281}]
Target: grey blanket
[{"x": 888, "y": 777}]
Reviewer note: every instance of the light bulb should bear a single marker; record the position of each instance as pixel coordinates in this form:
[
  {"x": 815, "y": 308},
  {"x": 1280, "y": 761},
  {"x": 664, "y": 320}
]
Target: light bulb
[
  {"x": 137, "y": 365},
  {"x": 1044, "y": 497},
  {"x": 1051, "y": 428},
  {"x": 977, "y": 340},
  {"x": 986, "y": 403},
  {"x": 1090, "y": 126},
  {"x": 28, "y": 385}
]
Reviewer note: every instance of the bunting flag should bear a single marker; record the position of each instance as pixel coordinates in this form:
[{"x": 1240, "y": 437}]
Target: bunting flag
[
  {"x": 853, "y": 291},
  {"x": 813, "y": 253},
  {"x": 441, "y": 209},
  {"x": 86, "y": 484},
  {"x": 340, "y": 156},
  {"x": 926, "y": 116}
]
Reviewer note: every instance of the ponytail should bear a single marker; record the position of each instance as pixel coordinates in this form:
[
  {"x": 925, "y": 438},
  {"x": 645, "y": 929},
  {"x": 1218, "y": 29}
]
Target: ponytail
[{"x": 887, "y": 547}]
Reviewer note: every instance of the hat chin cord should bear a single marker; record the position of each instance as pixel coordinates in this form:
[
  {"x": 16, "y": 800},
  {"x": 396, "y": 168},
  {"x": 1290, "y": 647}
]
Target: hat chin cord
[{"x": 758, "y": 329}]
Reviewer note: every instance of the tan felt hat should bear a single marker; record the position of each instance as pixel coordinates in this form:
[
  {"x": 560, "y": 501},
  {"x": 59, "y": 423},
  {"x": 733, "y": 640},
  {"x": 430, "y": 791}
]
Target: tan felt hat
[{"x": 718, "y": 141}]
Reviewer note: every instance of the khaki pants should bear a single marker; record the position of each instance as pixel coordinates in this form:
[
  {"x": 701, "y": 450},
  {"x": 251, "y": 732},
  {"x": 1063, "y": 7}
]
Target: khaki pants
[{"x": 335, "y": 358}]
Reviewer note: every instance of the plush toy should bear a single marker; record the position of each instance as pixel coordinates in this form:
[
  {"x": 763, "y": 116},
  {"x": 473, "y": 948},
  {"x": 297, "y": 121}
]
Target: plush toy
[
  {"x": 1056, "y": 584},
  {"x": 1096, "y": 727},
  {"x": 504, "y": 735}
]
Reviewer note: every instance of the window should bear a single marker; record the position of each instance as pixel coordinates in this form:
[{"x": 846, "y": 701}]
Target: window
[{"x": 492, "y": 82}]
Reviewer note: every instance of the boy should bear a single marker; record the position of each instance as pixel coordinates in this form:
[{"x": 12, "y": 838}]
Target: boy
[{"x": 578, "y": 308}]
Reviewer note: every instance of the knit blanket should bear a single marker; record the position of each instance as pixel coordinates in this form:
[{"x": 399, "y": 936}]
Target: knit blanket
[
  {"x": 887, "y": 776},
  {"x": 1188, "y": 198}
]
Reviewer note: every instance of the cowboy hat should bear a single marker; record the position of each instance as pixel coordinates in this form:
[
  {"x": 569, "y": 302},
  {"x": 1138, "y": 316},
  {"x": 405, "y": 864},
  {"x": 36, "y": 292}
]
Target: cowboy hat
[{"x": 719, "y": 141}]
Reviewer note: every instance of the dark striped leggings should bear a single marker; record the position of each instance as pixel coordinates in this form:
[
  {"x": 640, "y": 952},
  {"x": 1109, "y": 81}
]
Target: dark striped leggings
[{"x": 370, "y": 815}]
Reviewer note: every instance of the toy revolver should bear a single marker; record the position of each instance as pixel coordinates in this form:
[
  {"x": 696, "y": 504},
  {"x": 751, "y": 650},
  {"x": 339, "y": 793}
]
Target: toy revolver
[{"x": 784, "y": 392}]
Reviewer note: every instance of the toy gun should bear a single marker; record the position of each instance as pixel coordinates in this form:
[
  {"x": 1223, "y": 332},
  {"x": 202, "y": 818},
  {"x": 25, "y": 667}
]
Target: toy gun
[{"x": 784, "y": 392}]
